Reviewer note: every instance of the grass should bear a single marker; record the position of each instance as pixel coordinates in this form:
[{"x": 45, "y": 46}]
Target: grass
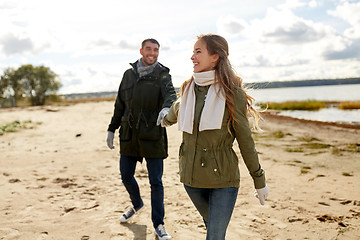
[
  {"x": 17, "y": 125},
  {"x": 304, "y": 146},
  {"x": 298, "y": 149},
  {"x": 276, "y": 134},
  {"x": 308, "y": 139},
  {"x": 336, "y": 151},
  {"x": 310, "y": 143},
  {"x": 350, "y": 147},
  {"x": 294, "y": 105},
  {"x": 316, "y": 145},
  {"x": 57, "y": 100},
  {"x": 314, "y": 153},
  {"x": 82, "y": 100},
  {"x": 353, "y": 147},
  {"x": 309, "y": 105},
  {"x": 305, "y": 170},
  {"x": 349, "y": 105}
]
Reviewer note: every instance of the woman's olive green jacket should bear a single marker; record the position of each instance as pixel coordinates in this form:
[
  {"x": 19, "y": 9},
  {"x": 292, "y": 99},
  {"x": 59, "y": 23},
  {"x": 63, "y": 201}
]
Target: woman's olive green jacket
[{"x": 206, "y": 158}]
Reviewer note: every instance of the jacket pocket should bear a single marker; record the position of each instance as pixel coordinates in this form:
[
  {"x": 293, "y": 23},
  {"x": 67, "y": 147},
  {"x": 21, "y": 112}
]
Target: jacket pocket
[
  {"x": 206, "y": 168},
  {"x": 125, "y": 129},
  {"x": 150, "y": 131},
  {"x": 228, "y": 164}
]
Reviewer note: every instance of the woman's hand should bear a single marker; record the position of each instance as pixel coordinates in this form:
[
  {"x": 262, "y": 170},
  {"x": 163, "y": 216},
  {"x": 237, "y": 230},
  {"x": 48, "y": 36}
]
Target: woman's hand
[{"x": 262, "y": 194}]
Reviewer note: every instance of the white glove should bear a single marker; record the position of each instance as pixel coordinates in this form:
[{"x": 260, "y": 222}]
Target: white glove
[
  {"x": 162, "y": 114},
  {"x": 110, "y": 140},
  {"x": 262, "y": 194}
]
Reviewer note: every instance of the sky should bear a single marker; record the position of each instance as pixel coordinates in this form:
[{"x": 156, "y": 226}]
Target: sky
[{"x": 89, "y": 44}]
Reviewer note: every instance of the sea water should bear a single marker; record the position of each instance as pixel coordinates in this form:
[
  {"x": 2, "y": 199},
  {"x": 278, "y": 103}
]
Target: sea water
[{"x": 347, "y": 92}]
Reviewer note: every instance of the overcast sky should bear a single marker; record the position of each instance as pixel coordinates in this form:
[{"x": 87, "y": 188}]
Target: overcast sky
[{"x": 89, "y": 44}]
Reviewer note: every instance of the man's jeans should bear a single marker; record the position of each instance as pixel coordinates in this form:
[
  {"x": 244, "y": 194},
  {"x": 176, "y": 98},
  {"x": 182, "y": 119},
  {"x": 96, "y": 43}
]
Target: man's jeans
[
  {"x": 155, "y": 172},
  {"x": 215, "y": 206}
]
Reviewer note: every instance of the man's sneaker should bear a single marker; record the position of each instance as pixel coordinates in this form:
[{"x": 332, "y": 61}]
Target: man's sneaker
[
  {"x": 130, "y": 212},
  {"x": 161, "y": 233}
]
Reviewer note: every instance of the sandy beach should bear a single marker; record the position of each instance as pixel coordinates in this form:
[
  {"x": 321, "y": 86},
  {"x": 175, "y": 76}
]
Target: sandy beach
[{"x": 58, "y": 180}]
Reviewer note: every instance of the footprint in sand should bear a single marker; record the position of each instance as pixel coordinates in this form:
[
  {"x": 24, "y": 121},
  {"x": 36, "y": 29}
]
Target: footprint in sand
[{"x": 43, "y": 236}]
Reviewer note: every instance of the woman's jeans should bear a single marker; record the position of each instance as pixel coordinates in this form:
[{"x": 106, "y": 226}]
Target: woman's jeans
[
  {"x": 215, "y": 206},
  {"x": 155, "y": 172}
]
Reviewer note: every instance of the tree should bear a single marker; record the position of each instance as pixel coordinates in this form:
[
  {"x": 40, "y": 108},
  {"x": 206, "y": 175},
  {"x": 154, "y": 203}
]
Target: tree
[
  {"x": 10, "y": 86},
  {"x": 30, "y": 81}
]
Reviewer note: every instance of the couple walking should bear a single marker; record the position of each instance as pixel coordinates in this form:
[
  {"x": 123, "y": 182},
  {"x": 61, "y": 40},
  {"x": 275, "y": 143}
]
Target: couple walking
[{"x": 212, "y": 112}]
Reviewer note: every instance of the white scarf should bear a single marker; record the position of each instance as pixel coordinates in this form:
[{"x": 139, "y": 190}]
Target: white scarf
[{"x": 214, "y": 107}]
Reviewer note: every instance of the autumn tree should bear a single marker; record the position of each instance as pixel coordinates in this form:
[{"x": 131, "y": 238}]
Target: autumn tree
[{"x": 32, "y": 82}]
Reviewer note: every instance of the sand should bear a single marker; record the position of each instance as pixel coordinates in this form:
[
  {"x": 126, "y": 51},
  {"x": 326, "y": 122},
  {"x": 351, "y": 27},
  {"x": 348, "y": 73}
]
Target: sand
[{"x": 59, "y": 180}]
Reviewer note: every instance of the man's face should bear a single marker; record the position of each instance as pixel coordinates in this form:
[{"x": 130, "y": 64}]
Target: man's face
[{"x": 150, "y": 53}]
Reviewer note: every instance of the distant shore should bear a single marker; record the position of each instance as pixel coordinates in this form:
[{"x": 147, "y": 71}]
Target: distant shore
[
  {"x": 302, "y": 83},
  {"x": 254, "y": 85}
]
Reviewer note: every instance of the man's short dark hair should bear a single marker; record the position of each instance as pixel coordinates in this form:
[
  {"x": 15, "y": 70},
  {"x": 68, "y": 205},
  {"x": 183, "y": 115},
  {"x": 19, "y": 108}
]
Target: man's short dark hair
[{"x": 149, "y": 40}]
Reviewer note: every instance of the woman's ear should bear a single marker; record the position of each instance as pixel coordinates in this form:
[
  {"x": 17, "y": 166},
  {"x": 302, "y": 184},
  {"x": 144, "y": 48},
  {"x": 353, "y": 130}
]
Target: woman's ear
[{"x": 214, "y": 59}]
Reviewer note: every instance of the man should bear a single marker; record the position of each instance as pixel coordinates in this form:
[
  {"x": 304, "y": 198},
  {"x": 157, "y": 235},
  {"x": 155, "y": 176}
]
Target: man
[{"x": 145, "y": 95}]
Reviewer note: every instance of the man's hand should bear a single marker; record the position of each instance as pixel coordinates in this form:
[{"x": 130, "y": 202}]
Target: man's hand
[
  {"x": 110, "y": 140},
  {"x": 262, "y": 194},
  {"x": 161, "y": 116}
]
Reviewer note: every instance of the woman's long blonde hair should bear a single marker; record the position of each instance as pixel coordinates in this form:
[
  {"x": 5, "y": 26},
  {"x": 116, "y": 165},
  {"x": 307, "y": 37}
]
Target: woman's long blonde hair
[{"x": 226, "y": 77}]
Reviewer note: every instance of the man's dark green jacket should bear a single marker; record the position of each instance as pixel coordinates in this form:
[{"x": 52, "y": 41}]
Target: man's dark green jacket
[{"x": 136, "y": 110}]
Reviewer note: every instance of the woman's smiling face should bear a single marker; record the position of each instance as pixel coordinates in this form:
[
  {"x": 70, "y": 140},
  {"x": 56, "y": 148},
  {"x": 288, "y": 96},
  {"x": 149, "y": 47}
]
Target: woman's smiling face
[{"x": 201, "y": 58}]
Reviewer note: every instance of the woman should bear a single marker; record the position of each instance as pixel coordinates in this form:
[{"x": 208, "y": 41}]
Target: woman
[{"x": 213, "y": 112}]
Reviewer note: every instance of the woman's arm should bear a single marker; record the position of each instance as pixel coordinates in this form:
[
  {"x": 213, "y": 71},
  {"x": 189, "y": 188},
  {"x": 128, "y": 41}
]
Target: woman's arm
[
  {"x": 171, "y": 117},
  {"x": 246, "y": 143}
]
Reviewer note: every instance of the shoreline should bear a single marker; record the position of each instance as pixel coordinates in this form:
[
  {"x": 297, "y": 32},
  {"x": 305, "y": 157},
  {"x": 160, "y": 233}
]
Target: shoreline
[
  {"x": 274, "y": 115},
  {"x": 267, "y": 114}
]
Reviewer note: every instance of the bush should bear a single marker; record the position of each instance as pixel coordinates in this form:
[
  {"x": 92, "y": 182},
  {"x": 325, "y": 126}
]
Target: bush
[{"x": 349, "y": 105}]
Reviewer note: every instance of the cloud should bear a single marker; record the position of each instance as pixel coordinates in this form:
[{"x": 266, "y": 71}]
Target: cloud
[
  {"x": 294, "y": 30},
  {"x": 91, "y": 71},
  {"x": 352, "y": 51},
  {"x": 291, "y": 4},
  {"x": 74, "y": 81},
  {"x": 295, "y": 33},
  {"x": 90, "y": 48},
  {"x": 7, "y": 5},
  {"x": 262, "y": 60},
  {"x": 111, "y": 45},
  {"x": 349, "y": 13},
  {"x": 313, "y": 4},
  {"x": 125, "y": 45},
  {"x": 102, "y": 43},
  {"x": 12, "y": 44},
  {"x": 231, "y": 25}
]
